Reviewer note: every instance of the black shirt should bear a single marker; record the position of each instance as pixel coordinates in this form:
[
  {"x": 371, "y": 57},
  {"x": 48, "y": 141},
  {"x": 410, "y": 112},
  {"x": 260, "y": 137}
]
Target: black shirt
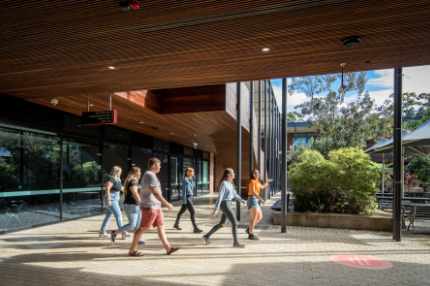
[
  {"x": 129, "y": 198},
  {"x": 116, "y": 187}
]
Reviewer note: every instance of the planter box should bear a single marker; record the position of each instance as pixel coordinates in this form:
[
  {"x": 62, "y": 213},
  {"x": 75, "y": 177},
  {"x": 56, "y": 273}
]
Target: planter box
[{"x": 333, "y": 220}]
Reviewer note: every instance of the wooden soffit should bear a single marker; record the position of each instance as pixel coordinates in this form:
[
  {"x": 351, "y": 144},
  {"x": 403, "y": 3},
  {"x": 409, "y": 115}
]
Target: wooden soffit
[{"x": 62, "y": 48}]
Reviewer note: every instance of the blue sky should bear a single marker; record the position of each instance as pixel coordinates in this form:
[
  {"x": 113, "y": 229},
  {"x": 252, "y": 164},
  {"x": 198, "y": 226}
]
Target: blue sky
[{"x": 379, "y": 84}]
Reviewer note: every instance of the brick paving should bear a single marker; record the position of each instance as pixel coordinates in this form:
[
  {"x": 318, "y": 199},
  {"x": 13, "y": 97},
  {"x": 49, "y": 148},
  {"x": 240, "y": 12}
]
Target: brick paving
[{"x": 70, "y": 253}]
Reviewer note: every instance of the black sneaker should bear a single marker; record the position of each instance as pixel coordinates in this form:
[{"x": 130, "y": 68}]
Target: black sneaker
[
  {"x": 112, "y": 237},
  {"x": 247, "y": 230},
  {"x": 238, "y": 244},
  {"x": 197, "y": 230},
  {"x": 177, "y": 226},
  {"x": 206, "y": 239},
  {"x": 253, "y": 237}
]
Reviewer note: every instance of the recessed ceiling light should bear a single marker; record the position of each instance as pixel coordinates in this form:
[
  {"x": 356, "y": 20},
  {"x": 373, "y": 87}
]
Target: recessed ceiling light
[
  {"x": 111, "y": 67},
  {"x": 172, "y": 133},
  {"x": 351, "y": 42},
  {"x": 265, "y": 50},
  {"x": 91, "y": 104},
  {"x": 141, "y": 122}
]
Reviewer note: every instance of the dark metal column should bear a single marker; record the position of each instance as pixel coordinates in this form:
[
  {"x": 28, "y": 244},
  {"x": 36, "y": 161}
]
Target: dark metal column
[
  {"x": 239, "y": 150},
  {"x": 61, "y": 177},
  {"x": 397, "y": 155},
  {"x": 277, "y": 149},
  {"x": 259, "y": 125},
  {"x": 265, "y": 138},
  {"x": 284, "y": 158},
  {"x": 269, "y": 139},
  {"x": 273, "y": 143},
  {"x": 251, "y": 127}
]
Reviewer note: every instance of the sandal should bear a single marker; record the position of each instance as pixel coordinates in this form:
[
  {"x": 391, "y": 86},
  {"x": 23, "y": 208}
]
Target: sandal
[
  {"x": 136, "y": 253},
  {"x": 173, "y": 249}
]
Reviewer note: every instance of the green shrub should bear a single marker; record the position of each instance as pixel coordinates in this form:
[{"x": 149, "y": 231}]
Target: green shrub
[
  {"x": 420, "y": 167},
  {"x": 344, "y": 183}
]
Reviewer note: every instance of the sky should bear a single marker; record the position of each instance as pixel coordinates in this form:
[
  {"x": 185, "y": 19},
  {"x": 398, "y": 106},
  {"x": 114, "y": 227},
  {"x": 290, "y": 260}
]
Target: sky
[{"x": 380, "y": 85}]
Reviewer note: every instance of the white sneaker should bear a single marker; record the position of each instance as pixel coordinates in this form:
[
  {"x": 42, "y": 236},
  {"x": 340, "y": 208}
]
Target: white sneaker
[
  {"x": 104, "y": 235},
  {"x": 126, "y": 234}
]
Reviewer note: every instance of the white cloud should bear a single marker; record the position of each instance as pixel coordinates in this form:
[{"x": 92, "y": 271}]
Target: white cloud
[
  {"x": 380, "y": 95},
  {"x": 385, "y": 79},
  {"x": 415, "y": 79},
  {"x": 292, "y": 100}
]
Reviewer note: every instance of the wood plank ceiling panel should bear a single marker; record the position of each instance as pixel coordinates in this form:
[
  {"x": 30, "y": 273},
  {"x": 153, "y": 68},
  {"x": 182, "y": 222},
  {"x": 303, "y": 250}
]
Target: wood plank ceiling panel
[{"x": 53, "y": 48}]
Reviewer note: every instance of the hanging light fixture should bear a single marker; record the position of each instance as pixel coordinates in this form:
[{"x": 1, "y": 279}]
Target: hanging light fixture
[{"x": 342, "y": 87}]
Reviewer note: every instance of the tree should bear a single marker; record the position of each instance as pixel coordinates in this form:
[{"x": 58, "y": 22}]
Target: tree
[
  {"x": 311, "y": 86},
  {"x": 351, "y": 124},
  {"x": 294, "y": 116}
]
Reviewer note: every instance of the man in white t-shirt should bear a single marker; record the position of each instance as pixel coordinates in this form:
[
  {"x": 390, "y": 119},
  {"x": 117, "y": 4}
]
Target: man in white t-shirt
[{"x": 150, "y": 206}]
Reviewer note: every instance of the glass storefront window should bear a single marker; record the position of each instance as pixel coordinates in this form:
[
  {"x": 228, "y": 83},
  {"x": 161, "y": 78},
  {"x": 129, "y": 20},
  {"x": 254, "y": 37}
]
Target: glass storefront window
[
  {"x": 175, "y": 178},
  {"x": 82, "y": 186},
  {"x": 29, "y": 179},
  {"x": 203, "y": 177},
  {"x": 163, "y": 175},
  {"x": 206, "y": 172},
  {"x": 115, "y": 155}
]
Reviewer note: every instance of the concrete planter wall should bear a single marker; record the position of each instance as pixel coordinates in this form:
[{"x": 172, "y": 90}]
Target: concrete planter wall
[{"x": 332, "y": 220}]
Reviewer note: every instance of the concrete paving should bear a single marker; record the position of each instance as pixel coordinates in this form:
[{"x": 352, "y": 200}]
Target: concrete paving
[{"x": 70, "y": 253}]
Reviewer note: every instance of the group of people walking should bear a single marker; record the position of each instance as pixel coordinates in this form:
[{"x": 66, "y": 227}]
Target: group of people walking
[{"x": 143, "y": 200}]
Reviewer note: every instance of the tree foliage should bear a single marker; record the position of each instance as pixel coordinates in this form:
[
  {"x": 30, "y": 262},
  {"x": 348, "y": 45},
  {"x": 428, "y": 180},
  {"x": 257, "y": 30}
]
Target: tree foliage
[
  {"x": 420, "y": 167},
  {"x": 350, "y": 124}
]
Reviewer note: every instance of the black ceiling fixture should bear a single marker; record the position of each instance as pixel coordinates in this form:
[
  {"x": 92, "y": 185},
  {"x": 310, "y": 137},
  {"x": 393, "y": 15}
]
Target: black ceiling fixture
[
  {"x": 351, "y": 42},
  {"x": 126, "y": 6},
  {"x": 342, "y": 88}
]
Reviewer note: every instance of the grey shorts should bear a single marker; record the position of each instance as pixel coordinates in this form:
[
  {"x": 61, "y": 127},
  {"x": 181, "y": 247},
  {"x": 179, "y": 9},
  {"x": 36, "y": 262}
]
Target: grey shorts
[{"x": 253, "y": 202}]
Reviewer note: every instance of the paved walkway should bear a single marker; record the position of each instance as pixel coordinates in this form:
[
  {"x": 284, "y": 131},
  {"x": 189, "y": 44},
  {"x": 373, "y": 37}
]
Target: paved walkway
[{"x": 70, "y": 253}]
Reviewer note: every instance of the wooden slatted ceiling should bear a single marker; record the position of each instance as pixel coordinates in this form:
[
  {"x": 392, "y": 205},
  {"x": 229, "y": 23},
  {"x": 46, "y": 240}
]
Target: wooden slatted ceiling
[{"x": 52, "y": 48}]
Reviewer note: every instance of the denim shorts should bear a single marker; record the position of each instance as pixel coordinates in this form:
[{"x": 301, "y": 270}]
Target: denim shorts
[{"x": 253, "y": 202}]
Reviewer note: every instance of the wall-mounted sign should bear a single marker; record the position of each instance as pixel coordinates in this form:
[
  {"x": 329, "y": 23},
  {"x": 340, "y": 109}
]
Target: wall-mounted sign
[{"x": 99, "y": 117}]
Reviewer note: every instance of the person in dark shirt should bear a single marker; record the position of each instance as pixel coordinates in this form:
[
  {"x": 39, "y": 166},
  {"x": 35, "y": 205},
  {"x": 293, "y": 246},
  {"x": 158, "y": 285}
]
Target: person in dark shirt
[
  {"x": 131, "y": 203},
  {"x": 113, "y": 189},
  {"x": 188, "y": 191}
]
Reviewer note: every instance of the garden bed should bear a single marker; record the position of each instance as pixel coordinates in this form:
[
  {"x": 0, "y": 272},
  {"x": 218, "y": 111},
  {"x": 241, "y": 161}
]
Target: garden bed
[{"x": 333, "y": 220}]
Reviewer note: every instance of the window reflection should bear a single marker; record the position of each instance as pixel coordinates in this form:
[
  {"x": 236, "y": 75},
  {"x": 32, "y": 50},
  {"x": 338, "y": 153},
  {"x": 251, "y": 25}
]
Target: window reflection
[{"x": 29, "y": 178}]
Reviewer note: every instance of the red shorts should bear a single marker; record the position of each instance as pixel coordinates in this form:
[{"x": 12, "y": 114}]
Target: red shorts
[{"x": 151, "y": 217}]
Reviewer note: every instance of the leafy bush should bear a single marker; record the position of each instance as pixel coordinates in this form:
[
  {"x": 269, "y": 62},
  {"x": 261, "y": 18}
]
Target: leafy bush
[
  {"x": 344, "y": 183},
  {"x": 420, "y": 167}
]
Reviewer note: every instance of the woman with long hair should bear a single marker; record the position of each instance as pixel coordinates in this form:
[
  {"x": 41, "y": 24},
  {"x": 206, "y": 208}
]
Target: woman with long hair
[
  {"x": 227, "y": 193},
  {"x": 254, "y": 201},
  {"x": 113, "y": 188},
  {"x": 188, "y": 191},
  {"x": 131, "y": 203}
]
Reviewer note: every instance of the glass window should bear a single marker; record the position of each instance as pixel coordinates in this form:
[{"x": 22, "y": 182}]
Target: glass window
[
  {"x": 115, "y": 155},
  {"x": 206, "y": 173},
  {"x": 163, "y": 175},
  {"x": 29, "y": 179},
  {"x": 175, "y": 178},
  {"x": 82, "y": 186}
]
